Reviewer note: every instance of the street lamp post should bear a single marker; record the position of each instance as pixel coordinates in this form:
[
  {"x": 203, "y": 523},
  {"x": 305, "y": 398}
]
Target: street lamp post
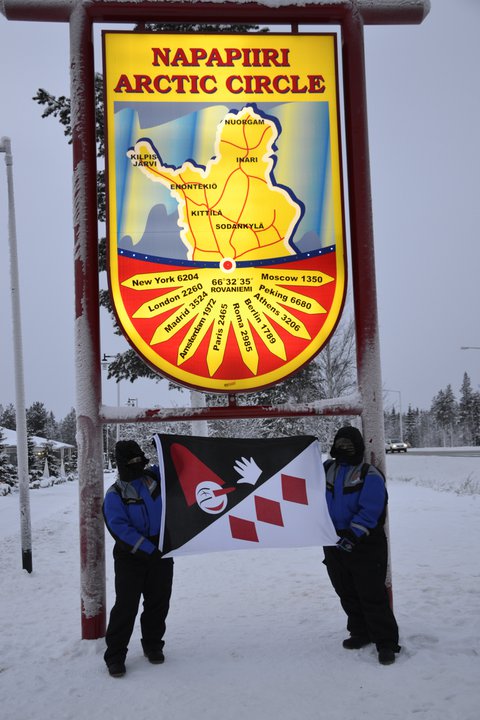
[
  {"x": 21, "y": 417},
  {"x": 105, "y": 364}
]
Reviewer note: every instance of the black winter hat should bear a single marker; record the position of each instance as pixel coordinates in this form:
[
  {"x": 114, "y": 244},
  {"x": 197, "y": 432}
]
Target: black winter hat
[
  {"x": 348, "y": 446},
  {"x": 130, "y": 459}
]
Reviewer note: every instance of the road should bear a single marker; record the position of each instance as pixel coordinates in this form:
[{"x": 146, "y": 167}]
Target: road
[{"x": 447, "y": 452}]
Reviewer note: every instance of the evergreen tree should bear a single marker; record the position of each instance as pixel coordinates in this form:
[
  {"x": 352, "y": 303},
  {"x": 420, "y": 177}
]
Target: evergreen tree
[
  {"x": 143, "y": 434},
  {"x": 8, "y": 417},
  {"x": 51, "y": 427},
  {"x": 476, "y": 419},
  {"x": 37, "y": 419},
  {"x": 412, "y": 434},
  {"x": 52, "y": 459},
  {"x": 427, "y": 429},
  {"x": 391, "y": 423},
  {"x": 67, "y": 428},
  {"x": 444, "y": 409},
  {"x": 467, "y": 411},
  {"x": 70, "y": 464},
  {"x": 34, "y": 469},
  {"x": 8, "y": 474}
]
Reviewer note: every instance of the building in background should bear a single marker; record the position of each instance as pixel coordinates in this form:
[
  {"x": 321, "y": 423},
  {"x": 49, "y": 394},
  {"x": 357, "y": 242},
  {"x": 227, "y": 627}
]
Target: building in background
[{"x": 62, "y": 450}]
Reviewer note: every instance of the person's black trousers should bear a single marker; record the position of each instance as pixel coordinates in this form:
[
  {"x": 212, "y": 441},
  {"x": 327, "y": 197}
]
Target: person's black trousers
[
  {"x": 136, "y": 576},
  {"x": 359, "y": 580}
]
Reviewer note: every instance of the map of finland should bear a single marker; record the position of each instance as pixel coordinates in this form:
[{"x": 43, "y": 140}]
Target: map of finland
[{"x": 232, "y": 208}]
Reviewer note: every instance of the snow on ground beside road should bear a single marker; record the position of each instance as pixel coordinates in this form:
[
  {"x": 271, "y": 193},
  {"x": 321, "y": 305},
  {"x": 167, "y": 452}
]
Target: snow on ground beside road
[
  {"x": 255, "y": 634},
  {"x": 460, "y": 474}
]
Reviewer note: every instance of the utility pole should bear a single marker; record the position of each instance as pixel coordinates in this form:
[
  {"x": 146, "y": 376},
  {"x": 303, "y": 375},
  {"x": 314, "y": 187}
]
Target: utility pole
[{"x": 21, "y": 415}]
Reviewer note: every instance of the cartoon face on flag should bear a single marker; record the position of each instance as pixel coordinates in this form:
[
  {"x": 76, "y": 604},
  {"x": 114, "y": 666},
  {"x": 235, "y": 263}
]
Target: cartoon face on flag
[{"x": 232, "y": 493}]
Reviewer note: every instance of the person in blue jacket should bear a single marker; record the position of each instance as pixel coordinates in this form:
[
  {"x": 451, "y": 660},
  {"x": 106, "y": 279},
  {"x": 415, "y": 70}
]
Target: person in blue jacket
[
  {"x": 357, "y": 564},
  {"x": 132, "y": 510}
]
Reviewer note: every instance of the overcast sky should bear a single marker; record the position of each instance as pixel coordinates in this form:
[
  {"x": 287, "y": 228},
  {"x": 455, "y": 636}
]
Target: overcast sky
[{"x": 424, "y": 120}]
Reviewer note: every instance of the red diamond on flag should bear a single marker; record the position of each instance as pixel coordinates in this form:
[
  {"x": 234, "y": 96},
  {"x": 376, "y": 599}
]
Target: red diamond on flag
[
  {"x": 268, "y": 511},
  {"x": 294, "y": 489},
  {"x": 243, "y": 529}
]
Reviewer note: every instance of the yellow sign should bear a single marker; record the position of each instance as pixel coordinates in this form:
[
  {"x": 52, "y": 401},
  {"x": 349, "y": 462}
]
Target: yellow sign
[{"x": 225, "y": 208}]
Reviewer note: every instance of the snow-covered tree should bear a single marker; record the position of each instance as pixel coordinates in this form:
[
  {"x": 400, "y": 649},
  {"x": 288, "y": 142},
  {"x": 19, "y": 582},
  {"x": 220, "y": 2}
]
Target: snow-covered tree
[
  {"x": 391, "y": 423},
  {"x": 468, "y": 412},
  {"x": 37, "y": 419},
  {"x": 52, "y": 459},
  {"x": 411, "y": 424},
  {"x": 444, "y": 408},
  {"x": 337, "y": 363},
  {"x": 51, "y": 426},
  {"x": 143, "y": 433},
  {"x": 34, "y": 469},
  {"x": 476, "y": 420},
  {"x": 8, "y": 417},
  {"x": 427, "y": 429},
  {"x": 8, "y": 474},
  {"x": 67, "y": 428}
]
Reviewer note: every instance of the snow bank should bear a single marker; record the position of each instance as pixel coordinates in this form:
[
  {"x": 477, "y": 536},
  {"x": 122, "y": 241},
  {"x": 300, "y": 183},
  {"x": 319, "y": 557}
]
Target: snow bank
[{"x": 457, "y": 474}]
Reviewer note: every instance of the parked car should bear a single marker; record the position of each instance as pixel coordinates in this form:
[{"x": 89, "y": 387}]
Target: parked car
[{"x": 392, "y": 446}]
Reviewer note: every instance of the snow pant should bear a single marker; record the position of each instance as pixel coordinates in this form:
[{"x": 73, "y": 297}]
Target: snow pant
[
  {"x": 136, "y": 576},
  {"x": 358, "y": 579}
]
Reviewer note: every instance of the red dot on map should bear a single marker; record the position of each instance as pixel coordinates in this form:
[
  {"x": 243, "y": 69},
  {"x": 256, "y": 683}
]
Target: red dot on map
[{"x": 227, "y": 264}]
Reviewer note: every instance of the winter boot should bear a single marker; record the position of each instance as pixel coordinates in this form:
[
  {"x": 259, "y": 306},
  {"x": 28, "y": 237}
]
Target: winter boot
[
  {"x": 355, "y": 642},
  {"x": 386, "y": 656},
  {"x": 117, "y": 669}
]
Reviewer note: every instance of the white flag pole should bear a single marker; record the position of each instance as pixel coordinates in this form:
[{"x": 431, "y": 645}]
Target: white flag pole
[{"x": 22, "y": 450}]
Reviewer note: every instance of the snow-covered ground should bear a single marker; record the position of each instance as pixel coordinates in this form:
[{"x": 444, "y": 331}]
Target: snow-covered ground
[{"x": 255, "y": 634}]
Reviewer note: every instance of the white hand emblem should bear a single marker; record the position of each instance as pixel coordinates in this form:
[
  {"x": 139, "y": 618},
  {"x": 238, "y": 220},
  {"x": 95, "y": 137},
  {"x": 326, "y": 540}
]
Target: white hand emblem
[{"x": 248, "y": 470}]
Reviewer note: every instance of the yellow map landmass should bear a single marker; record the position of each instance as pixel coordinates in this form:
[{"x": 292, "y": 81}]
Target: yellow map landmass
[{"x": 231, "y": 209}]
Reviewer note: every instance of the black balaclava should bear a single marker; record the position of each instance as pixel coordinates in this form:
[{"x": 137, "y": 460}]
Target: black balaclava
[
  {"x": 348, "y": 446},
  {"x": 130, "y": 459}
]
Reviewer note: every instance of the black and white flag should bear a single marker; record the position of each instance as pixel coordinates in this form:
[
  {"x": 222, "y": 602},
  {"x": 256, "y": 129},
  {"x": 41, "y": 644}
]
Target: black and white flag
[{"x": 235, "y": 493}]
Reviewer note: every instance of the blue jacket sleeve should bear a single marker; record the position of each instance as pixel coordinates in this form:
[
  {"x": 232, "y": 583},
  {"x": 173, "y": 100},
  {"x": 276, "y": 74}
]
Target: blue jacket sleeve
[
  {"x": 121, "y": 527},
  {"x": 372, "y": 502}
]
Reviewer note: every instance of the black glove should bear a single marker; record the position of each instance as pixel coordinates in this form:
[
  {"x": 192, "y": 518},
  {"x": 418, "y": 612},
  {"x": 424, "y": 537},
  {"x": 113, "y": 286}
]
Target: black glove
[
  {"x": 348, "y": 540},
  {"x": 155, "y": 555}
]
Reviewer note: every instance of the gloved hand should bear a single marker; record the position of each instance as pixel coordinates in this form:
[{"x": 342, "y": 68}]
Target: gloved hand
[
  {"x": 155, "y": 555},
  {"x": 148, "y": 558},
  {"x": 348, "y": 540}
]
